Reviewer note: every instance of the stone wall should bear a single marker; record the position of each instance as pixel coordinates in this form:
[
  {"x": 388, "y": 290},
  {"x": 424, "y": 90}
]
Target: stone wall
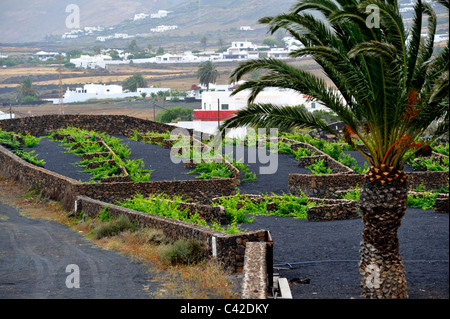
[
  {"x": 64, "y": 189},
  {"x": 341, "y": 209},
  {"x": 441, "y": 204},
  {"x": 227, "y": 249},
  {"x": 255, "y": 283},
  {"x": 110, "y": 124},
  {"x": 327, "y": 186},
  {"x": 52, "y": 185},
  {"x": 200, "y": 191},
  {"x": 335, "y": 166}
]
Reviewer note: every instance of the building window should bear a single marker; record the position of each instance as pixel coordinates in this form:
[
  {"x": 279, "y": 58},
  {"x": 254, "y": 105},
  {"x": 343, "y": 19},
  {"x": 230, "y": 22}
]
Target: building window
[
  {"x": 225, "y": 106},
  {"x": 313, "y": 105}
]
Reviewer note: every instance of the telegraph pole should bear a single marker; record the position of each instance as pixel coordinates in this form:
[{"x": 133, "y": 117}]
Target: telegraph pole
[
  {"x": 218, "y": 113},
  {"x": 60, "y": 84}
]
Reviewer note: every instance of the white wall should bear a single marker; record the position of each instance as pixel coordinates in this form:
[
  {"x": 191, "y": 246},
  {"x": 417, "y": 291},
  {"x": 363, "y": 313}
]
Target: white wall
[
  {"x": 6, "y": 116},
  {"x": 210, "y": 128},
  {"x": 269, "y": 95}
]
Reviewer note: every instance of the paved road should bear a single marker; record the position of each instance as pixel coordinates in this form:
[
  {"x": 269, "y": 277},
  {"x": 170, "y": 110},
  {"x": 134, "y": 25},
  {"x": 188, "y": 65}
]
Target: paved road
[{"x": 35, "y": 253}]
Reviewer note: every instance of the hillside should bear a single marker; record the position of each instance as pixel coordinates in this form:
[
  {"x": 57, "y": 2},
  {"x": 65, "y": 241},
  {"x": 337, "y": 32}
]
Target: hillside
[
  {"x": 31, "y": 21},
  {"x": 26, "y": 21}
]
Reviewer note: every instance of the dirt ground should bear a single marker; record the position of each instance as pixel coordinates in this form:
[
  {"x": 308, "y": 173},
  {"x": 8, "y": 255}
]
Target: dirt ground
[{"x": 142, "y": 109}]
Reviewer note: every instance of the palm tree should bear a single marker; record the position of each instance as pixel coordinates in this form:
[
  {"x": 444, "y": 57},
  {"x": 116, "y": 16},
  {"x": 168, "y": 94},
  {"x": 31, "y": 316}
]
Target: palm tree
[
  {"x": 26, "y": 89},
  {"x": 387, "y": 88},
  {"x": 207, "y": 73}
]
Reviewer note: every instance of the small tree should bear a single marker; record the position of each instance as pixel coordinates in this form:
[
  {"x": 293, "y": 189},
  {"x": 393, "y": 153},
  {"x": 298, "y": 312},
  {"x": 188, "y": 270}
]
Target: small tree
[
  {"x": 160, "y": 51},
  {"x": 134, "y": 82},
  {"x": 207, "y": 73},
  {"x": 204, "y": 41},
  {"x": 26, "y": 89}
]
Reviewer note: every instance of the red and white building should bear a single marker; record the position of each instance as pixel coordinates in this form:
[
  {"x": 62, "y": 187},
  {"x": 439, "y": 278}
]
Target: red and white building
[{"x": 218, "y": 104}]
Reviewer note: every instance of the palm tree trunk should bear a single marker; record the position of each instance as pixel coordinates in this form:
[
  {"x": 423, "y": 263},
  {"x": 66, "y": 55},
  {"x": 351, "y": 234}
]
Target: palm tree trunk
[{"x": 383, "y": 203}]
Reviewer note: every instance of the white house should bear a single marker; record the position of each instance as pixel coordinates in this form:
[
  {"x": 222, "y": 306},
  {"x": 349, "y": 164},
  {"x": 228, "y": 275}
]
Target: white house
[
  {"x": 122, "y": 36},
  {"x": 6, "y": 116},
  {"x": 95, "y": 62},
  {"x": 44, "y": 56},
  {"x": 149, "y": 91},
  {"x": 102, "y": 91},
  {"x": 169, "y": 58},
  {"x": 140, "y": 16},
  {"x": 279, "y": 53},
  {"x": 104, "y": 38},
  {"x": 440, "y": 37},
  {"x": 241, "y": 51},
  {"x": 160, "y": 14},
  {"x": 246, "y": 28},
  {"x": 164, "y": 28},
  {"x": 220, "y": 103}
]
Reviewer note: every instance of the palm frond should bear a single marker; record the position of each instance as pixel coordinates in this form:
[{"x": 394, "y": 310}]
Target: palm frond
[{"x": 275, "y": 116}]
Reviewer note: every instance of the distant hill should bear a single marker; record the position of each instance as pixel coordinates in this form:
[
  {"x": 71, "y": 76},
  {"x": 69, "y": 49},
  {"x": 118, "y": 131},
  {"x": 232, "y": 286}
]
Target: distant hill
[{"x": 30, "y": 21}]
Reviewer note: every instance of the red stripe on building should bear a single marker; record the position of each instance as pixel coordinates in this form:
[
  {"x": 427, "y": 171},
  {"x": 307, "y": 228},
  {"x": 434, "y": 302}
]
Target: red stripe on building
[{"x": 212, "y": 115}]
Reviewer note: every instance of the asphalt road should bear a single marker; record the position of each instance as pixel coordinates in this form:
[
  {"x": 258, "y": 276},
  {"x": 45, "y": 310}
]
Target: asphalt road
[{"x": 42, "y": 259}]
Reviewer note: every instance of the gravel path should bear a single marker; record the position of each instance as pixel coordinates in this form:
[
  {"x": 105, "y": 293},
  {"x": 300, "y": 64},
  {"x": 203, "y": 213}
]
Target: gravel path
[
  {"x": 58, "y": 160},
  {"x": 34, "y": 254},
  {"x": 329, "y": 253}
]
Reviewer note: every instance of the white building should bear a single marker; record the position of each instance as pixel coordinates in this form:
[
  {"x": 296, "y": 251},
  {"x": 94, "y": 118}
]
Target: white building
[
  {"x": 140, "y": 16},
  {"x": 279, "y": 53},
  {"x": 44, "y": 56},
  {"x": 169, "y": 58},
  {"x": 6, "y": 116},
  {"x": 440, "y": 37},
  {"x": 149, "y": 91},
  {"x": 241, "y": 51},
  {"x": 102, "y": 91},
  {"x": 212, "y": 99},
  {"x": 163, "y": 28},
  {"x": 95, "y": 62},
  {"x": 246, "y": 28},
  {"x": 122, "y": 36},
  {"x": 93, "y": 29},
  {"x": 160, "y": 14},
  {"x": 104, "y": 38}
]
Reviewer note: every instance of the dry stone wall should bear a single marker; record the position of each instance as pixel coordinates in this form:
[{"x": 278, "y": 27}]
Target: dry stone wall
[
  {"x": 227, "y": 249},
  {"x": 109, "y": 124},
  {"x": 328, "y": 185}
]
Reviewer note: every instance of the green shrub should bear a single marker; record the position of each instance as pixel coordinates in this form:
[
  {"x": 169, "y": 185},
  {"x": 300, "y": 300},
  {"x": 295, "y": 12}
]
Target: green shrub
[
  {"x": 30, "y": 141},
  {"x": 208, "y": 170},
  {"x": 29, "y": 157},
  {"x": 104, "y": 216},
  {"x": 319, "y": 168},
  {"x": 352, "y": 194},
  {"x": 425, "y": 201},
  {"x": 293, "y": 206},
  {"x": 430, "y": 164},
  {"x": 185, "y": 252},
  {"x": 442, "y": 149},
  {"x": 163, "y": 205},
  {"x": 153, "y": 236},
  {"x": 113, "y": 228}
]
